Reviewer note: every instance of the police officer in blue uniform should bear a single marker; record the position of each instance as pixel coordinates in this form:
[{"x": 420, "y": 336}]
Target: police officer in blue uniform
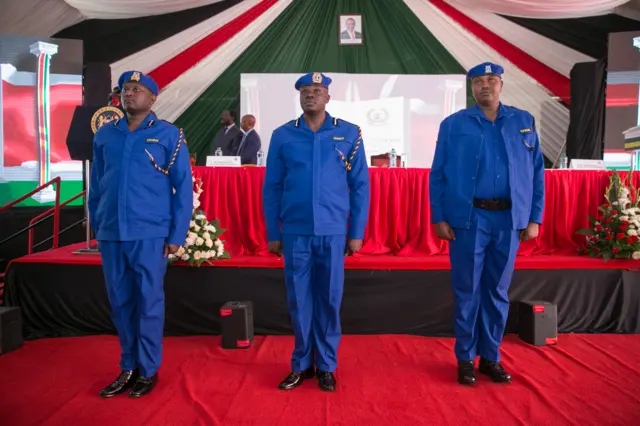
[
  {"x": 316, "y": 200},
  {"x": 140, "y": 205},
  {"x": 487, "y": 194}
]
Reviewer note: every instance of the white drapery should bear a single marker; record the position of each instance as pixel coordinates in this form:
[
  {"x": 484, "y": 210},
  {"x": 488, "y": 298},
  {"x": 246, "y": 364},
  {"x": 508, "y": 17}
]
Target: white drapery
[
  {"x": 183, "y": 91},
  {"x": 520, "y": 90},
  {"x": 36, "y": 18},
  {"x": 549, "y": 52},
  {"x": 124, "y": 9},
  {"x": 551, "y": 9},
  {"x": 153, "y": 56}
]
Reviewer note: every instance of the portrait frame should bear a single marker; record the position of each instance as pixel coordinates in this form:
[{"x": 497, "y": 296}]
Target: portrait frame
[{"x": 343, "y": 35}]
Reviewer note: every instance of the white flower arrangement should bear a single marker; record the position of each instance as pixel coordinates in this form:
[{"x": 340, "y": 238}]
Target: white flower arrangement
[{"x": 203, "y": 243}]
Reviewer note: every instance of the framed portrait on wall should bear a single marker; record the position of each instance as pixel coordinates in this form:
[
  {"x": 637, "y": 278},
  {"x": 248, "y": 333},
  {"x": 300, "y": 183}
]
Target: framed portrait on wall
[{"x": 350, "y": 30}]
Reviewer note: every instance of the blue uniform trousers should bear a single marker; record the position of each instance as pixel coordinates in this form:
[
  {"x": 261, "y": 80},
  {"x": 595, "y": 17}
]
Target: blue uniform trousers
[
  {"x": 482, "y": 261},
  {"x": 314, "y": 277},
  {"x": 134, "y": 273}
]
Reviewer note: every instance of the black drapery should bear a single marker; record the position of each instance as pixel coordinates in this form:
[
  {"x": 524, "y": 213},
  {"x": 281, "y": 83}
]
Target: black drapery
[
  {"x": 587, "y": 35},
  {"x": 71, "y": 300},
  {"x": 588, "y": 103},
  {"x": 109, "y": 40}
]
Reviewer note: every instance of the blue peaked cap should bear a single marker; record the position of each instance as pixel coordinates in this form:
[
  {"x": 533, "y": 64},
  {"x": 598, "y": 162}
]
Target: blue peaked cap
[
  {"x": 313, "y": 78},
  {"x": 138, "y": 77},
  {"x": 486, "y": 68}
]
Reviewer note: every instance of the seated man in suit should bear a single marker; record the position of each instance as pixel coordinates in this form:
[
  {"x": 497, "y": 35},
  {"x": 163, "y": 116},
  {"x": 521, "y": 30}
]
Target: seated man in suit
[
  {"x": 249, "y": 143},
  {"x": 226, "y": 137}
]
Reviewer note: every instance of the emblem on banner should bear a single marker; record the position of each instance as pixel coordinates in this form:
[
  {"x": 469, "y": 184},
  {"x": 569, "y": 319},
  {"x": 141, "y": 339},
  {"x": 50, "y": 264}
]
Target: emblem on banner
[
  {"x": 105, "y": 115},
  {"x": 316, "y": 78},
  {"x": 377, "y": 116},
  {"x": 487, "y": 69}
]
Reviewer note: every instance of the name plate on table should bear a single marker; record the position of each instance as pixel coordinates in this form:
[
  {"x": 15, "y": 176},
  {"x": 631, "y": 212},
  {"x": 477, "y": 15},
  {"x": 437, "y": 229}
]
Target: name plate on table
[
  {"x": 577, "y": 164},
  {"x": 223, "y": 161}
]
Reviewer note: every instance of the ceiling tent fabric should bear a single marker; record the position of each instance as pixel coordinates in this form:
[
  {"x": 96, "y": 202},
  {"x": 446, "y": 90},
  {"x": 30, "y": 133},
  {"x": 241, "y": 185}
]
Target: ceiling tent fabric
[
  {"x": 154, "y": 56},
  {"x": 552, "y": 9},
  {"x": 131, "y": 36},
  {"x": 520, "y": 89},
  {"x": 36, "y": 18},
  {"x": 125, "y": 9},
  {"x": 586, "y": 35},
  {"x": 187, "y": 87},
  {"x": 551, "y": 53}
]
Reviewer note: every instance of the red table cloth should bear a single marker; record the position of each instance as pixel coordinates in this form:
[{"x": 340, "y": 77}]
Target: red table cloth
[{"x": 399, "y": 216}]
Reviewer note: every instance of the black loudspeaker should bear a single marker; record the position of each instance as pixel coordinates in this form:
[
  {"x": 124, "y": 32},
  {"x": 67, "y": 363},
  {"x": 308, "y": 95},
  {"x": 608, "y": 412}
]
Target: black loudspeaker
[
  {"x": 236, "y": 319},
  {"x": 538, "y": 323},
  {"x": 10, "y": 329},
  {"x": 96, "y": 83}
]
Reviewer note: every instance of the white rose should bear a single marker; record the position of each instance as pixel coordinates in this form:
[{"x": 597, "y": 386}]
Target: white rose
[
  {"x": 190, "y": 242},
  {"x": 220, "y": 251},
  {"x": 180, "y": 252},
  {"x": 212, "y": 229},
  {"x": 206, "y": 235},
  {"x": 211, "y": 254},
  {"x": 625, "y": 218},
  {"x": 199, "y": 241},
  {"x": 196, "y": 228},
  {"x": 185, "y": 257},
  {"x": 192, "y": 224},
  {"x": 615, "y": 203},
  {"x": 192, "y": 235},
  {"x": 635, "y": 255},
  {"x": 196, "y": 255},
  {"x": 218, "y": 243},
  {"x": 632, "y": 232},
  {"x": 209, "y": 243}
]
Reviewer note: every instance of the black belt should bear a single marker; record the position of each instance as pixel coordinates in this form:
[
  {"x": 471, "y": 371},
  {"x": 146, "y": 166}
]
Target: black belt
[{"x": 492, "y": 204}]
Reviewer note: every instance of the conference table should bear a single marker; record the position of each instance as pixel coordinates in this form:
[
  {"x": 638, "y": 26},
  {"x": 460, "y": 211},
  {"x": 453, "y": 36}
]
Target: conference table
[{"x": 399, "y": 216}]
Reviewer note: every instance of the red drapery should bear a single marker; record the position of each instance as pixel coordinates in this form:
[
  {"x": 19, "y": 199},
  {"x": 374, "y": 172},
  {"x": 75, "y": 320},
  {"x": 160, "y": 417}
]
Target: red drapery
[{"x": 399, "y": 217}]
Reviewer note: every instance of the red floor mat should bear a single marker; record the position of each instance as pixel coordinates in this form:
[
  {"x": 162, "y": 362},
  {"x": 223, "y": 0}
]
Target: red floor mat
[{"x": 383, "y": 380}]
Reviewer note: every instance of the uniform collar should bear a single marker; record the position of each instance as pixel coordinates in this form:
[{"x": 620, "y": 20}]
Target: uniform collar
[
  {"x": 329, "y": 123},
  {"x": 149, "y": 121},
  {"x": 503, "y": 111}
]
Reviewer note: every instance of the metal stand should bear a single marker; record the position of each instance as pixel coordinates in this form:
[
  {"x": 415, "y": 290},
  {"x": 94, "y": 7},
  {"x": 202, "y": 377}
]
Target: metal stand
[{"x": 89, "y": 249}]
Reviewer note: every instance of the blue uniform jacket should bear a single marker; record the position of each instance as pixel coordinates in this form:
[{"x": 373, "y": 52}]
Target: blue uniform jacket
[
  {"x": 129, "y": 199},
  {"x": 307, "y": 187},
  {"x": 455, "y": 167}
]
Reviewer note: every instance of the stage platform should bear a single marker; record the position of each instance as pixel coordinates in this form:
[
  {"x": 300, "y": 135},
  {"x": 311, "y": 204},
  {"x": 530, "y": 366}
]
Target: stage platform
[{"x": 62, "y": 294}]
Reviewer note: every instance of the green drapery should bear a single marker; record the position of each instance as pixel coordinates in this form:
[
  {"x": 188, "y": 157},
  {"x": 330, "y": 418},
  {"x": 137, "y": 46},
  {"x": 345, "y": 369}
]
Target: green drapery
[{"x": 304, "y": 38}]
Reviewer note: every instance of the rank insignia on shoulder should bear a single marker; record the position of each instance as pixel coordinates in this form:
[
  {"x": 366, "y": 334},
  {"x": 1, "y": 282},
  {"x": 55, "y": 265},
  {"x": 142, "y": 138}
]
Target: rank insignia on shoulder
[
  {"x": 525, "y": 131},
  {"x": 338, "y": 138},
  {"x": 153, "y": 140}
]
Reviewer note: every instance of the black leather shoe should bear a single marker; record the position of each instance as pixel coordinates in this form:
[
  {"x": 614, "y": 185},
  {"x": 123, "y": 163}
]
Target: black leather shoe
[
  {"x": 466, "y": 373},
  {"x": 295, "y": 378},
  {"x": 326, "y": 381},
  {"x": 143, "y": 386},
  {"x": 125, "y": 380},
  {"x": 494, "y": 370}
]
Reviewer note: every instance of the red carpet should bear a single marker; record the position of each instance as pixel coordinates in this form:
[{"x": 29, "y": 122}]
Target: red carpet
[
  {"x": 363, "y": 262},
  {"x": 383, "y": 380}
]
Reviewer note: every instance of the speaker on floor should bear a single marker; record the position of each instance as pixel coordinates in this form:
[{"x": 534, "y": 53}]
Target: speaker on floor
[
  {"x": 10, "y": 329},
  {"x": 538, "y": 323},
  {"x": 236, "y": 319}
]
